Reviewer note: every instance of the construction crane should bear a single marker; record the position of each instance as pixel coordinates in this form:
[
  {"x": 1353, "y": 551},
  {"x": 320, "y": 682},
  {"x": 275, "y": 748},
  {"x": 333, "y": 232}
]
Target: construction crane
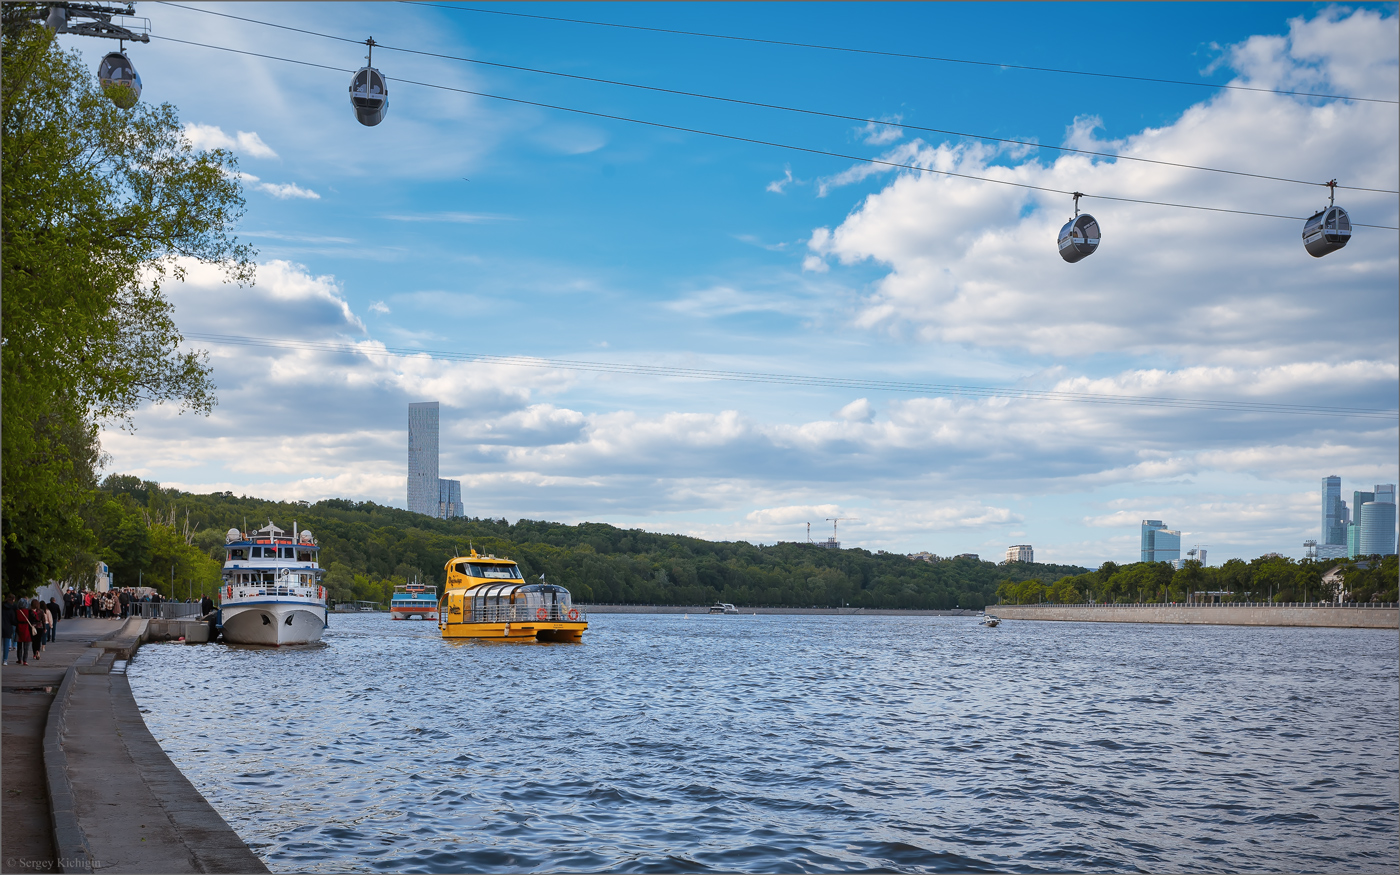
[
  {"x": 831, "y": 543},
  {"x": 1310, "y": 549}
]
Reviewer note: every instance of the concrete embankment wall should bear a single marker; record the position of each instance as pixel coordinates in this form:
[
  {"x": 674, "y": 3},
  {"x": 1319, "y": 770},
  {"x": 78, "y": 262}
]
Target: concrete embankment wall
[
  {"x": 704, "y": 609},
  {"x": 117, "y": 802},
  {"x": 1213, "y": 615}
]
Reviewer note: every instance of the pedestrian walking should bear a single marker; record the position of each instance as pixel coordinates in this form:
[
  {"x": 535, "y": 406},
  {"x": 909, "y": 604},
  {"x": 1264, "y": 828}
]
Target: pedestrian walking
[
  {"x": 7, "y": 625},
  {"x": 55, "y": 612},
  {"x": 38, "y": 618},
  {"x": 24, "y": 632},
  {"x": 87, "y": 604}
]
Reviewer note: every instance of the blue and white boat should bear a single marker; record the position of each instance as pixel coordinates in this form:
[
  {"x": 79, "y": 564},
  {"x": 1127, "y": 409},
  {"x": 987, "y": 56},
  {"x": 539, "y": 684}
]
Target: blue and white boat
[
  {"x": 414, "y": 601},
  {"x": 272, "y": 591}
]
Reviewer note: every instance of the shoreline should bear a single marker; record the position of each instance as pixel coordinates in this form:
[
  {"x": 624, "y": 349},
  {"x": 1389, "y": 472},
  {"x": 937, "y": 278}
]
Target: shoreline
[
  {"x": 1317, "y": 616},
  {"x": 828, "y": 612},
  {"x": 110, "y": 796}
]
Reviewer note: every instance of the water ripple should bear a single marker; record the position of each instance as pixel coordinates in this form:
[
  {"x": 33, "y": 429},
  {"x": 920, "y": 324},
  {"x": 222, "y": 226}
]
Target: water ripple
[{"x": 795, "y": 744}]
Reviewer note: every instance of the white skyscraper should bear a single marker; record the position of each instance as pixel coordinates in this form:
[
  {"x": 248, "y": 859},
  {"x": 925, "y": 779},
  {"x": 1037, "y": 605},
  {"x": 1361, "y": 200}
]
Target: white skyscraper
[{"x": 423, "y": 489}]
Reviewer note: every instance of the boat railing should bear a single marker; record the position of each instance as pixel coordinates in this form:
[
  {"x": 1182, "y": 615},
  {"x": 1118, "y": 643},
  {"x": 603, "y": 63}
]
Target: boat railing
[{"x": 525, "y": 614}]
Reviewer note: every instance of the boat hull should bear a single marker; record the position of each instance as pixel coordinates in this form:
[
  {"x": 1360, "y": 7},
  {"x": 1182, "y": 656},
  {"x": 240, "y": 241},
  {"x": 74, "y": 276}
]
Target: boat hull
[
  {"x": 274, "y": 624},
  {"x": 520, "y": 630},
  {"x": 413, "y": 614}
]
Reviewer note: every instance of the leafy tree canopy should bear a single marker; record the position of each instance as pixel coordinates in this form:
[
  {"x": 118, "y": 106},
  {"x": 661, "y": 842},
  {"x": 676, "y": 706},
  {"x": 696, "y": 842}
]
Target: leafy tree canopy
[{"x": 100, "y": 206}]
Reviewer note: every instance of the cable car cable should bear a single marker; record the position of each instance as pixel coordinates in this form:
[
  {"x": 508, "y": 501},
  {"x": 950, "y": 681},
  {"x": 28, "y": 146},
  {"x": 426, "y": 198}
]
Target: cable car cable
[
  {"x": 758, "y": 142},
  {"x": 802, "y": 380},
  {"x": 761, "y": 105},
  {"x": 888, "y": 54}
]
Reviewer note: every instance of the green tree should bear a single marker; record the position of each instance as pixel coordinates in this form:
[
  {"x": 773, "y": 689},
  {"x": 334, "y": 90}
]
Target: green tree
[{"x": 100, "y": 206}]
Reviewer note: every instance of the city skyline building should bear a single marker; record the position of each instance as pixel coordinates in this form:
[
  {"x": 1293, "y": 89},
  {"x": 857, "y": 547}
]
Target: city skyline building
[
  {"x": 1020, "y": 553},
  {"x": 423, "y": 488},
  {"x": 1334, "y": 513},
  {"x": 1358, "y": 498},
  {"x": 450, "y": 499},
  {"x": 428, "y": 493},
  {"x": 1159, "y": 543},
  {"x": 1377, "y": 536}
]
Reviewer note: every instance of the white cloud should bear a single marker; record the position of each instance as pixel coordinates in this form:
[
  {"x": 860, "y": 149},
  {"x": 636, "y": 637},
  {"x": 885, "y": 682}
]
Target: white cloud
[
  {"x": 281, "y": 191},
  {"x": 213, "y": 137},
  {"x": 975, "y": 263},
  {"x": 859, "y": 410},
  {"x": 882, "y": 132},
  {"x": 450, "y": 217},
  {"x": 379, "y": 308},
  {"x": 777, "y": 185}
]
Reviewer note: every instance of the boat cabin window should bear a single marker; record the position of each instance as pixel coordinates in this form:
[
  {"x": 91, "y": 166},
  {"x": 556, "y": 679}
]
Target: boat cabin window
[
  {"x": 303, "y": 555},
  {"x": 240, "y": 553},
  {"x": 286, "y": 552},
  {"x": 493, "y": 572}
]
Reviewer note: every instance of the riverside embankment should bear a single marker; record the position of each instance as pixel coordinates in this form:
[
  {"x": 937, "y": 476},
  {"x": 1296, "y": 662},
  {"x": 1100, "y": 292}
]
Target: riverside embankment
[
  {"x": 88, "y": 788},
  {"x": 816, "y": 612},
  {"x": 1252, "y": 614}
]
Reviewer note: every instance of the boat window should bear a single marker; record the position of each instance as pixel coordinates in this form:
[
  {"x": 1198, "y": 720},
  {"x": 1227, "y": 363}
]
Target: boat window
[
  {"x": 494, "y": 572},
  {"x": 303, "y": 555},
  {"x": 286, "y": 552},
  {"x": 237, "y": 554}
]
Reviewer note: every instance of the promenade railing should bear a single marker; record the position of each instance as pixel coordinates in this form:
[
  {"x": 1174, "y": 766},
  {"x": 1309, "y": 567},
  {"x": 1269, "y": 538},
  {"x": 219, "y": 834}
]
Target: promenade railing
[{"x": 164, "y": 610}]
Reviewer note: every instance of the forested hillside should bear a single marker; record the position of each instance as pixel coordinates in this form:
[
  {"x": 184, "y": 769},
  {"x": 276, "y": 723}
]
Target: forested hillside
[{"x": 155, "y": 536}]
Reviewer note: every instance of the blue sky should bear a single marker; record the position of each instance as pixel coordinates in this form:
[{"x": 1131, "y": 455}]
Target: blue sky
[{"x": 588, "y": 239}]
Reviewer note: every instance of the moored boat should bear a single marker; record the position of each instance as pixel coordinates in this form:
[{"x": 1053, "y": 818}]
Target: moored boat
[
  {"x": 272, "y": 592},
  {"x": 723, "y": 608},
  {"x": 487, "y": 597},
  {"x": 413, "y": 601}
]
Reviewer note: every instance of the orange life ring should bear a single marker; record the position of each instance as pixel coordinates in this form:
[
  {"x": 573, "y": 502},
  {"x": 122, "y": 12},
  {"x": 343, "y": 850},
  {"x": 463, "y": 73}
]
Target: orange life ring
[
  {"x": 542, "y": 614},
  {"x": 573, "y": 614}
]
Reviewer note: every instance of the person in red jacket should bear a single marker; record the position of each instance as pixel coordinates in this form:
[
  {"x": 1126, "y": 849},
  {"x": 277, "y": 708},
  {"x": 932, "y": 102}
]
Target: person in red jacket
[{"x": 24, "y": 633}]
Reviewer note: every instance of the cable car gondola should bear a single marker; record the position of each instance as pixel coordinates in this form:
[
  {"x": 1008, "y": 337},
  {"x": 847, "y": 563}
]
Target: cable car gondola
[
  {"x": 120, "y": 81},
  {"x": 369, "y": 92},
  {"x": 1080, "y": 235},
  {"x": 1329, "y": 229}
]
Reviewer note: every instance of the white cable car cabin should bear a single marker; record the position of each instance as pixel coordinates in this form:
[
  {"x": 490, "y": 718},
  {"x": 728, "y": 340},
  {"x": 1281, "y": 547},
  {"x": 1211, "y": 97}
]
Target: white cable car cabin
[
  {"x": 120, "y": 81},
  {"x": 1079, "y": 238},
  {"x": 369, "y": 95},
  {"x": 1327, "y": 231}
]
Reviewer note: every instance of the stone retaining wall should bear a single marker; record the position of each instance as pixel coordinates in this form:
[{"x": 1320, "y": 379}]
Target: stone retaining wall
[{"x": 1215, "y": 615}]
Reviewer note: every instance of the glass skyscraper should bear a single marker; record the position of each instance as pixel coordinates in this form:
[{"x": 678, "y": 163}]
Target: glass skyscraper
[
  {"x": 1378, "y": 523},
  {"x": 1159, "y": 543},
  {"x": 423, "y": 488},
  {"x": 449, "y": 499},
  {"x": 1334, "y": 513}
]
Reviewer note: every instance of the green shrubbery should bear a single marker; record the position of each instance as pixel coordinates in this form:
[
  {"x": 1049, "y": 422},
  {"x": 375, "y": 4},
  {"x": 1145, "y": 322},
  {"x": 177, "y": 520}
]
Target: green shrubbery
[{"x": 367, "y": 548}]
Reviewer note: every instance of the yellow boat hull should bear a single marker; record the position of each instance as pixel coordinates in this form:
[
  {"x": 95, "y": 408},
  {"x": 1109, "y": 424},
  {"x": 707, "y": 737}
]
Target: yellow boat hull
[{"x": 541, "y": 630}]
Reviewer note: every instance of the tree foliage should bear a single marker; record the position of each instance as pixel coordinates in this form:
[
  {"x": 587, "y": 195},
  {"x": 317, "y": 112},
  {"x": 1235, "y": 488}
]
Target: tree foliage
[
  {"x": 100, "y": 206},
  {"x": 1270, "y": 577},
  {"x": 366, "y": 548}
]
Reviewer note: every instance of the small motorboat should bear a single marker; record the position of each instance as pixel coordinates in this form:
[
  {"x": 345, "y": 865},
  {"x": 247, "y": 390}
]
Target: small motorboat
[
  {"x": 723, "y": 608},
  {"x": 989, "y": 621}
]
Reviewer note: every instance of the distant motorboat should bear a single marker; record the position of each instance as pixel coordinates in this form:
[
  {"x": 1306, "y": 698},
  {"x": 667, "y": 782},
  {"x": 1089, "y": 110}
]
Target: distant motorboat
[
  {"x": 723, "y": 608},
  {"x": 989, "y": 621}
]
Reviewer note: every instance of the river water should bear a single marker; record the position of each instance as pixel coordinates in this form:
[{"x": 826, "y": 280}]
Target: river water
[{"x": 669, "y": 743}]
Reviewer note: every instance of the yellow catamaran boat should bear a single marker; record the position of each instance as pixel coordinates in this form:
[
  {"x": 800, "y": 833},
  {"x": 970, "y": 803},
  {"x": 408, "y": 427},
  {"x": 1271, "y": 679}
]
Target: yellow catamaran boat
[{"x": 486, "y": 597}]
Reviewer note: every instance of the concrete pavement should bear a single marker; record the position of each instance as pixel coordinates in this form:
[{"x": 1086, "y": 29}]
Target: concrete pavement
[{"x": 108, "y": 798}]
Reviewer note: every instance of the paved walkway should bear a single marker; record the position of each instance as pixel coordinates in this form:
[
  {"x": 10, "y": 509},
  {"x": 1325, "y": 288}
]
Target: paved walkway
[
  {"x": 136, "y": 811},
  {"x": 27, "y": 693}
]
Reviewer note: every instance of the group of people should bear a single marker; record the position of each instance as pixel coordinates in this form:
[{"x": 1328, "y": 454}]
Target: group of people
[
  {"x": 113, "y": 604},
  {"x": 29, "y": 624}
]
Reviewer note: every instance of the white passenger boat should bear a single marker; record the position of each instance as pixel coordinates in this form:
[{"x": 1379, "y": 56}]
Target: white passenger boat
[
  {"x": 272, "y": 592},
  {"x": 723, "y": 608}
]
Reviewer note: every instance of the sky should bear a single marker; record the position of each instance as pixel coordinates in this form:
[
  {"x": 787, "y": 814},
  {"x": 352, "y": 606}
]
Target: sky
[{"x": 467, "y": 224}]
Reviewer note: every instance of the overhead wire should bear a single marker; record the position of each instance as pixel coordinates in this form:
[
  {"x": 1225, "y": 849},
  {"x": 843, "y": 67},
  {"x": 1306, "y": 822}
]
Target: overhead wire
[
  {"x": 890, "y": 54},
  {"x": 817, "y": 382},
  {"x": 759, "y": 142},
  {"x": 759, "y": 104}
]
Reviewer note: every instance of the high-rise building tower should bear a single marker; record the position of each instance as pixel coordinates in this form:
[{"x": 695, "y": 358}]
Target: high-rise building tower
[
  {"x": 1358, "y": 498},
  {"x": 1020, "y": 553},
  {"x": 423, "y": 488},
  {"x": 449, "y": 499},
  {"x": 1378, "y": 523},
  {"x": 1159, "y": 543},
  {"x": 1334, "y": 513}
]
